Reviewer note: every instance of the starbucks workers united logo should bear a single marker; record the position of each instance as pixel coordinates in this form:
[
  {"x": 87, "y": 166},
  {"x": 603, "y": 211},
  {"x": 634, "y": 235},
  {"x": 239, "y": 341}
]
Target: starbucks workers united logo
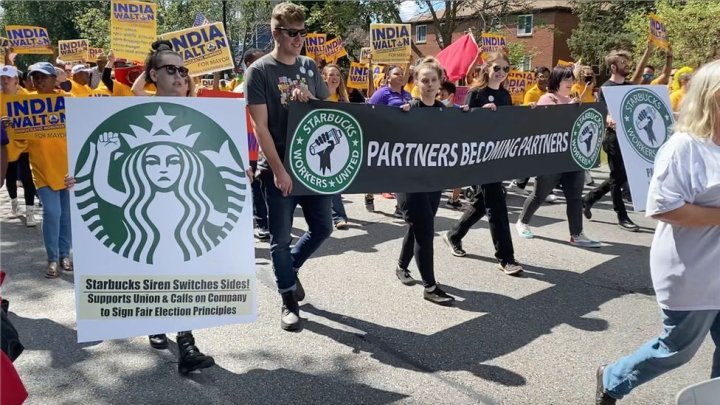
[
  {"x": 586, "y": 138},
  {"x": 646, "y": 120},
  {"x": 160, "y": 183},
  {"x": 326, "y": 151}
]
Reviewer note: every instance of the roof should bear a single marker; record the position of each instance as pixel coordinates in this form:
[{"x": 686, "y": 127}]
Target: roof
[{"x": 470, "y": 9}]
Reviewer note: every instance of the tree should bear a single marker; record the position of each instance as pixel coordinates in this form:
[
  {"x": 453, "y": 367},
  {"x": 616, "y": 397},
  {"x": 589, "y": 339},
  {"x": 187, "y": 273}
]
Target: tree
[
  {"x": 94, "y": 25},
  {"x": 692, "y": 28},
  {"x": 600, "y": 29}
]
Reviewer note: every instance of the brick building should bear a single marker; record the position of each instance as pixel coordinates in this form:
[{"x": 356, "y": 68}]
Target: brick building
[{"x": 543, "y": 27}]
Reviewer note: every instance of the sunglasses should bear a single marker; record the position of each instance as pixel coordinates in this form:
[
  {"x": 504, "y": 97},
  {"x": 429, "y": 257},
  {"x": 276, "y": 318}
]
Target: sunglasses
[
  {"x": 505, "y": 69},
  {"x": 172, "y": 69},
  {"x": 293, "y": 33}
]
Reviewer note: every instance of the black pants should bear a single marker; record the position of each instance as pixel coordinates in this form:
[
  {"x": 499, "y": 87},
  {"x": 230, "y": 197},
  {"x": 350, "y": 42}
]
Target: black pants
[
  {"x": 20, "y": 170},
  {"x": 617, "y": 178},
  {"x": 259, "y": 204},
  {"x": 419, "y": 211},
  {"x": 490, "y": 201}
]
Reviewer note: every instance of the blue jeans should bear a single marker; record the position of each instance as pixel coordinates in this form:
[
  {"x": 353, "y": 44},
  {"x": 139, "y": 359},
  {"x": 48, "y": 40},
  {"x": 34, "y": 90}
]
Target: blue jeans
[
  {"x": 56, "y": 222},
  {"x": 683, "y": 333},
  {"x": 316, "y": 210},
  {"x": 338, "y": 209}
]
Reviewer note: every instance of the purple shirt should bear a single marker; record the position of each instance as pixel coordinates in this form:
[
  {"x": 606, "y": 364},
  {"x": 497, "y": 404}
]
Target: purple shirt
[{"x": 385, "y": 96}]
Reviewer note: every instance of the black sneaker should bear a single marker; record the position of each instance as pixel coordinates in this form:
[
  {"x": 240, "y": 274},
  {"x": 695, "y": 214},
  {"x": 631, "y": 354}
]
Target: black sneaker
[
  {"x": 438, "y": 296},
  {"x": 602, "y": 397},
  {"x": 299, "y": 290},
  {"x": 262, "y": 234},
  {"x": 456, "y": 204},
  {"x": 587, "y": 206},
  {"x": 404, "y": 276},
  {"x": 455, "y": 247},
  {"x": 370, "y": 204},
  {"x": 158, "y": 341},
  {"x": 398, "y": 214},
  {"x": 627, "y": 225}
]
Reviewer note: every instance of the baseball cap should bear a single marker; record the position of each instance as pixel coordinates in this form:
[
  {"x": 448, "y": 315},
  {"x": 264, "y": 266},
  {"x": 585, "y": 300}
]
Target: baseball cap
[
  {"x": 45, "y": 68},
  {"x": 78, "y": 69},
  {"x": 9, "y": 71}
]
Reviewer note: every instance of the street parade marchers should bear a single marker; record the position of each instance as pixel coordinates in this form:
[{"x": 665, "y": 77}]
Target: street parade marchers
[{"x": 345, "y": 190}]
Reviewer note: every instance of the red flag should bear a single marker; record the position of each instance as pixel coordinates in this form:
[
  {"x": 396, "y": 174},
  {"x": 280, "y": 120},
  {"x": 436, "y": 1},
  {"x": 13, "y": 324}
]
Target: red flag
[{"x": 457, "y": 58}]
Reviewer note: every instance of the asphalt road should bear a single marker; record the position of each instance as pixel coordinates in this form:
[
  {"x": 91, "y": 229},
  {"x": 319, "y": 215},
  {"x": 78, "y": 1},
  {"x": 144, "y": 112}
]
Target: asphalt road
[{"x": 535, "y": 339}]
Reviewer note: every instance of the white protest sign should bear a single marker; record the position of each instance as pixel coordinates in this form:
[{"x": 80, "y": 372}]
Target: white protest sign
[
  {"x": 161, "y": 215},
  {"x": 644, "y": 122}
]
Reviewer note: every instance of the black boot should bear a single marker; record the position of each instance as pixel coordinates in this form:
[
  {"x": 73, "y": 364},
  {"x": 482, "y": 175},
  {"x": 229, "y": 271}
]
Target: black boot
[
  {"x": 189, "y": 356},
  {"x": 290, "y": 313}
]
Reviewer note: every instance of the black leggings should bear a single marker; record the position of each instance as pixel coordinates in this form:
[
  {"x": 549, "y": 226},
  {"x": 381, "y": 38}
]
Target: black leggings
[
  {"x": 20, "y": 170},
  {"x": 419, "y": 211}
]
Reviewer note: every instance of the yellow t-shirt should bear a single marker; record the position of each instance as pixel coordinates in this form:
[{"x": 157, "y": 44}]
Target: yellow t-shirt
[
  {"x": 532, "y": 95},
  {"x": 79, "y": 90},
  {"x": 577, "y": 90},
  {"x": 409, "y": 87},
  {"x": 334, "y": 97},
  {"x": 17, "y": 146},
  {"x": 22, "y": 90},
  {"x": 415, "y": 93},
  {"x": 49, "y": 160},
  {"x": 123, "y": 90},
  {"x": 675, "y": 99}
]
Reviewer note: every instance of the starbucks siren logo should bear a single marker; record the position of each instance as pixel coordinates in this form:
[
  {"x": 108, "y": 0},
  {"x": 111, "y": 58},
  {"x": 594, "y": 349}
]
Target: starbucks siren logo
[
  {"x": 160, "y": 183},
  {"x": 586, "y": 138},
  {"x": 326, "y": 151},
  {"x": 647, "y": 122}
]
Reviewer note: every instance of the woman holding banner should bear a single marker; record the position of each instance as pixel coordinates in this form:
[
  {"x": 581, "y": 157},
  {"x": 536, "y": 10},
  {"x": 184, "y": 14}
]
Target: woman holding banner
[
  {"x": 488, "y": 92},
  {"x": 559, "y": 92},
  {"x": 332, "y": 76}
]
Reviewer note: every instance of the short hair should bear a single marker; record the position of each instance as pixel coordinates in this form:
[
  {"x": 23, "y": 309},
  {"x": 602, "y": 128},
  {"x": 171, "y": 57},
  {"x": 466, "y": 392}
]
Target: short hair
[
  {"x": 700, "y": 108},
  {"x": 614, "y": 56},
  {"x": 449, "y": 87},
  {"x": 428, "y": 62},
  {"x": 559, "y": 73},
  {"x": 651, "y": 67},
  {"x": 540, "y": 70},
  {"x": 286, "y": 13},
  {"x": 249, "y": 56}
]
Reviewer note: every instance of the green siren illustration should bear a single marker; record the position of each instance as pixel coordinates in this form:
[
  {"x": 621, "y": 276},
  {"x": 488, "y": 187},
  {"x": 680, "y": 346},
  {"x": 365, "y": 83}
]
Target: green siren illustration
[{"x": 159, "y": 182}]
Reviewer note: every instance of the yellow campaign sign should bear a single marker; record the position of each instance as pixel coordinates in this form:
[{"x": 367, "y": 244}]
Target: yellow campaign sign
[
  {"x": 4, "y": 43},
  {"x": 34, "y": 116},
  {"x": 334, "y": 50},
  {"x": 25, "y": 39},
  {"x": 517, "y": 84},
  {"x": 204, "y": 49},
  {"x": 315, "y": 44},
  {"x": 206, "y": 83},
  {"x": 491, "y": 43},
  {"x": 93, "y": 53},
  {"x": 133, "y": 28},
  {"x": 365, "y": 54},
  {"x": 390, "y": 43},
  {"x": 74, "y": 50},
  {"x": 565, "y": 63},
  {"x": 358, "y": 76},
  {"x": 658, "y": 33}
]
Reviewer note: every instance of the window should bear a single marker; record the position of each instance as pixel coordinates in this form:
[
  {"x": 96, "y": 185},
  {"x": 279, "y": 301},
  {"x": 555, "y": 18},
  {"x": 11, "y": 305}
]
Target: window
[
  {"x": 525, "y": 64},
  {"x": 421, "y": 34},
  {"x": 525, "y": 25}
]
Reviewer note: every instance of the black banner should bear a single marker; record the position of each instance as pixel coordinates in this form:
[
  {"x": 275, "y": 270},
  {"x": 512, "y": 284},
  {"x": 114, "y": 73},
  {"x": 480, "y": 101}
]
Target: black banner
[{"x": 360, "y": 148}]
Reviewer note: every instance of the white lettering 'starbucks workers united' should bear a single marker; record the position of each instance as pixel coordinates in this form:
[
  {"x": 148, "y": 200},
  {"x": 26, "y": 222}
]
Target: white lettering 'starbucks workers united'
[{"x": 327, "y": 151}]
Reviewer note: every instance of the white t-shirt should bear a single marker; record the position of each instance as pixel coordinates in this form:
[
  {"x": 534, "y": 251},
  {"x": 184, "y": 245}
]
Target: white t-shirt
[{"x": 685, "y": 262}]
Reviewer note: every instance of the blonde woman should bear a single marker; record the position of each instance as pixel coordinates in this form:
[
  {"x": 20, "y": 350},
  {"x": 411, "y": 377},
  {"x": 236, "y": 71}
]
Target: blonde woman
[{"x": 684, "y": 196}]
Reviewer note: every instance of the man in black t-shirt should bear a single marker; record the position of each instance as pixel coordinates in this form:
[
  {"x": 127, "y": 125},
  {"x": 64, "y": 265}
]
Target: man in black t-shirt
[{"x": 619, "y": 63}]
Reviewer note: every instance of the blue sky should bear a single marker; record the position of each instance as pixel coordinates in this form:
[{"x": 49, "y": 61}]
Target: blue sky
[{"x": 409, "y": 8}]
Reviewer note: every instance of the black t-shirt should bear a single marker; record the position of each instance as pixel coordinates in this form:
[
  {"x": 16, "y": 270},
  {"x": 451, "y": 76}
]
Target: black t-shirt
[
  {"x": 478, "y": 97},
  {"x": 601, "y": 98},
  {"x": 418, "y": 103}
]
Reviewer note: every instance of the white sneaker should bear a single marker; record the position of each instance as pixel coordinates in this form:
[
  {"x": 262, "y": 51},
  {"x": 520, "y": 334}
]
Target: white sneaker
[
  {"x": 14, "y": 207},
  {"x": 524, "y": 230},
  {"x": 510, "y": 268},
  {"x": 583, "y": 240},
  {"x": 516, "y": 189},
  {"x": 30, "y": 220},
  {"x": 551, "y": 198}
]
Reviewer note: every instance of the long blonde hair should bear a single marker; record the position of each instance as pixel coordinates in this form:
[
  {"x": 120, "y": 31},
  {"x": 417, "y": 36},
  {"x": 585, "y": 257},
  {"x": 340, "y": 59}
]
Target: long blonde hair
[
  {"x": 483, "y": 77},
  {"x": 700, "y": 108},
  {"x": 341, "y": 91}
]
